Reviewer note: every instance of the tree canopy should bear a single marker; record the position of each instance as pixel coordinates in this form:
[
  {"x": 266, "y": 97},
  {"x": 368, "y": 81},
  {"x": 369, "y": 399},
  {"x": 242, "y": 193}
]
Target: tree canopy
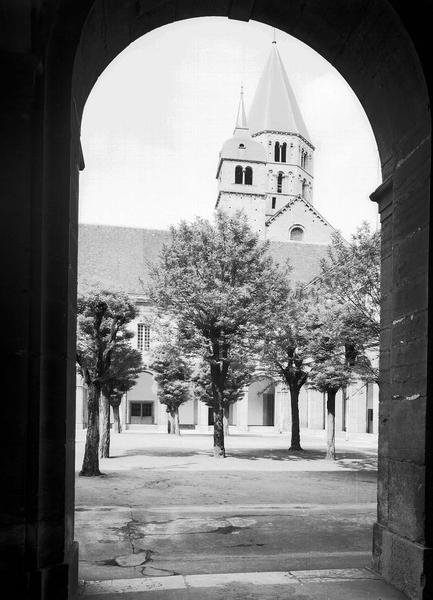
[
  {"x": 222, "y": 286},
  {"x": 351, "y": 276},
  {"x": 286, "y": 349},
  {"x": 102, "y": 319},
  {"x": 172, "y": 372},
  {"x": 126, "y": 365}
]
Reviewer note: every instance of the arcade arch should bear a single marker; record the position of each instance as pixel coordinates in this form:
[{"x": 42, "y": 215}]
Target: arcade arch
[{"x": 371, "y": 47}]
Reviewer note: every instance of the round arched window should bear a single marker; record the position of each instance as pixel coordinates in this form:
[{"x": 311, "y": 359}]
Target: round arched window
[{"x": 297, "y": 234}]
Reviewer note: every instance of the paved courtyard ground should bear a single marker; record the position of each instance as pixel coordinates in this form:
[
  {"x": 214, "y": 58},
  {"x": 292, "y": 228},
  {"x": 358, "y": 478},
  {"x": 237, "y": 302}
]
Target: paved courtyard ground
[
  {"x": 170, "y": 503},
  {"x": 166, "y": 511}
]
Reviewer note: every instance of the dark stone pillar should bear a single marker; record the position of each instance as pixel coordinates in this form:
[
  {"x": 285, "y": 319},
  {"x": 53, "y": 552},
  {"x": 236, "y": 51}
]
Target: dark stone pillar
[
  {"x": 402, "y": 545},
  {"x": 38, "y": 256}
]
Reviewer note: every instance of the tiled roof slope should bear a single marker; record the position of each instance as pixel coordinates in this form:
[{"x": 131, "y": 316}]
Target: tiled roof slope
[
  {"x": 303, "y": 258},
  {"x": 118, "y": 257}
]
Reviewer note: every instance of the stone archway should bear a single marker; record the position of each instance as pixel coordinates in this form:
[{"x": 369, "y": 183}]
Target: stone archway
[{"x": 54, "y": 53}]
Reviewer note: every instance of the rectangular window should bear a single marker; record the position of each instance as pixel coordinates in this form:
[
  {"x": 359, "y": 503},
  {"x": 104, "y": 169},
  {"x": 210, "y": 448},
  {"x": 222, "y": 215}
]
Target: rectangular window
[
  {"x": 140, "y": 411},
  {"x": 143, "y": 337},
  {"x": 146, "y": 409},
  {"x": 135, "y": 409},
  {"x": 274, "y": 202}
]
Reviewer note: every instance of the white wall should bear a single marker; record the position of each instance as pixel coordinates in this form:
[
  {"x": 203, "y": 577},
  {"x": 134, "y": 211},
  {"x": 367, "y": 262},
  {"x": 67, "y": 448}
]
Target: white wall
[
  {"x": 255, "y": 400},
  {"x": 315, "y": 230},
  {"x": 315, "y": 409},
  {"x": 144, "y": 391},
  {"x": 187, "y": 412}
]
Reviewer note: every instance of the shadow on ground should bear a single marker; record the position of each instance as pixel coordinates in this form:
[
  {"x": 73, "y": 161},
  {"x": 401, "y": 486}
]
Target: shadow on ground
[{"x": 358, "y": 460}]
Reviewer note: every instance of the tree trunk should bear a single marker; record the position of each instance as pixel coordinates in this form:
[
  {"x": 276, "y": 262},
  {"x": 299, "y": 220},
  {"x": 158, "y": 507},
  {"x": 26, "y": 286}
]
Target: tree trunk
[
  {"x": 295, "y": 444},
  {"x": 330, "y": 442},
  {"x": 218, "y": 433},
  {"x": 116, "y": 419},
  {"x": 104, "y": 442},
  {"x": 226, "y": 420},
  {"x": 176, "y": 425},
  {"x": 171, "y": 422},
  {"x": 90, "y": 466},
  {"x": 345, "y": 399}
]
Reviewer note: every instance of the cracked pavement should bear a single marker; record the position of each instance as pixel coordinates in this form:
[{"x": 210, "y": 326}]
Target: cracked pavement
[{"x": 259, "y": 510}]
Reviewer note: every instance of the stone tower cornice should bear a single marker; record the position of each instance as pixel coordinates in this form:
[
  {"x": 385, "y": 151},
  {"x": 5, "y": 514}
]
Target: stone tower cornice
[
  {"x": 232, "y": 193},
  {"x": 284, "y": 133}
]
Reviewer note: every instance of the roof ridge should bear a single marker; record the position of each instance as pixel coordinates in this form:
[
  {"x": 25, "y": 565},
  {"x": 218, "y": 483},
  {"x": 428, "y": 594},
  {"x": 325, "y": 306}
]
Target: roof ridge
[
  {"x": 135, "y": 227},
  {"x": 274, "y": 106},
  {"x": 286, "y": 206},
  {"x": 279, "y": 211}
]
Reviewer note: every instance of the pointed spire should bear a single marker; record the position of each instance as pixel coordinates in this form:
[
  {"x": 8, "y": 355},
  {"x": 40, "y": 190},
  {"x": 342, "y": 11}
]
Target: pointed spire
[
  {"x": 241, "y": 119},
  {"x": 274, "y": 107}
]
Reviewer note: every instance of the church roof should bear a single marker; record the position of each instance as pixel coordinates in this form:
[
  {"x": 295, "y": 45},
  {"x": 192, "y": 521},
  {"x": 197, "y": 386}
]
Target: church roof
[
  {"x": 304, "y": 258},
  {"x": 118, "y": 258},
  {"x": 274, "y": 107},
  {"x": 241, "y": 119},
  {"x": 241, "y": 145}
]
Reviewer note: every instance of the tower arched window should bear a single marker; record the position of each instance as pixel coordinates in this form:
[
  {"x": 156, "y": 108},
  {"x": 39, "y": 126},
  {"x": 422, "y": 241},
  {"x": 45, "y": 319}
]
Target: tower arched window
[
  {"x": 303, "y": 158},
  {"x": 248, "y": 176},
  {"x": 304, "y": 189},
  {"x": 283, "y": 152},
  {"x": 238, "y": 174},
  {"x": 280, "y": 183},
  {"x": 277, "y": 152},
  {"x": 296, "y": 234}
]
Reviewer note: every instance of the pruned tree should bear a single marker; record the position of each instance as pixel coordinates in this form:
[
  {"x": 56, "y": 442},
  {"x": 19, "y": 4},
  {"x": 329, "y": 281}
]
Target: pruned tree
[
  {"x": 222, "y": 286},
  {"x": 238, "y": 378},
  {"x": 286, "y": 351},
  {"x": 126, "y": 366},
  {"x": 329, "y": 369},
  {"x": 172, "y": 373},
  {"x": 102, "y": 319}
]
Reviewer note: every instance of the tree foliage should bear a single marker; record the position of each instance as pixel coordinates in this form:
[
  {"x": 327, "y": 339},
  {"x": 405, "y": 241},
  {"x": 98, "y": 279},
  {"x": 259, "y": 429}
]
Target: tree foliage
[
  {"x": 351, "y": 277},
  {"x": 286, "y": 350},
  {"x": 102, "y": 319},
  {"x": 173, "y": 375},
  {"x": 329, "y": 369},
  {"x": 238, "y": 377},
  {"x": 222, "y": 287},
  {"x": 126, "y": 365}
]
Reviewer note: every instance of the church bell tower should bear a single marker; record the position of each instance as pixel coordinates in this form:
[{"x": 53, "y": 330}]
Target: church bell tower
[
  {"x": 266, "y": 167},
  {"x": 241, "y": 174},
  {"x": 276, "y": 122}
]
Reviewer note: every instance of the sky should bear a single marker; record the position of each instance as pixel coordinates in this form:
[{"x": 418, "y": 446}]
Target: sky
[{"x": 157, "y": 117}]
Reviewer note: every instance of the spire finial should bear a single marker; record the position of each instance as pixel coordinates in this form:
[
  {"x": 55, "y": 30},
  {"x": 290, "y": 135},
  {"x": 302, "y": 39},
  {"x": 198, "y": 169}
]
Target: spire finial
[
  {"x": 274, "y": 39},
  {"x": 241, "y": 119}
]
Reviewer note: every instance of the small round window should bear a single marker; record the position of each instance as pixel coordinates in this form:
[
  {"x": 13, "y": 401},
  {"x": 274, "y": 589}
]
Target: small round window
[
  {"x": 297, "y": 234},
  {"x": 242, "y": 146}
]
